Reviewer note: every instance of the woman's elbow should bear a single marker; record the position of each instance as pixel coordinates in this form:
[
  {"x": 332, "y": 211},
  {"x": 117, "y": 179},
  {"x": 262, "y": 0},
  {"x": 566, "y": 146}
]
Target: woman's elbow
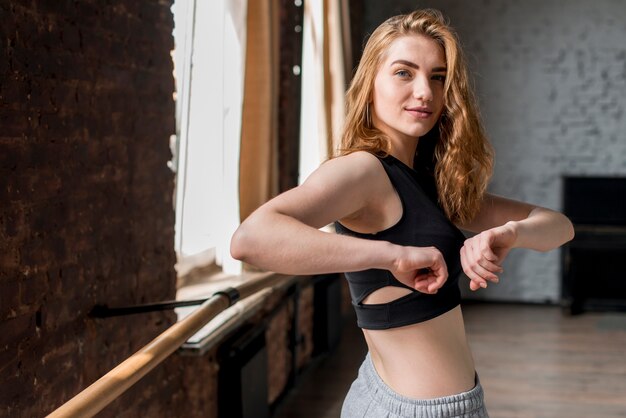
[
  {"x": 238, "y": 244},
  {"x": 570, "y": 229},
  {"x": 249, "y": 243},
  {"x": 566, "y": 230}
]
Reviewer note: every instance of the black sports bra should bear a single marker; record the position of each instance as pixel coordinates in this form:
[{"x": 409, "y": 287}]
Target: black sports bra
[{"x": 423, "y": 224}]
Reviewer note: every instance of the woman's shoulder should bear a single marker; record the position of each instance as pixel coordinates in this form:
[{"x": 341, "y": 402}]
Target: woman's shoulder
[
  {"x": 359, "y": 162},
  {"x": 358, "y": 170}
]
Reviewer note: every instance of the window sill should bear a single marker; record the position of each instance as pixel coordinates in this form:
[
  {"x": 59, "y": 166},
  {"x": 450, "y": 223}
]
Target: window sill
[{"x": 227, "y": 321}]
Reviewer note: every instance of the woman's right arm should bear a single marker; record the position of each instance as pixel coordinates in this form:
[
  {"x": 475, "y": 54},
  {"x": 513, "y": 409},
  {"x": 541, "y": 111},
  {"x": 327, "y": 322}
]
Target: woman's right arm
[{"x": 283, "y": 235}]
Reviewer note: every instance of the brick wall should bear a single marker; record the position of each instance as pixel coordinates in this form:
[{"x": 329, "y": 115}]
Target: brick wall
[
  {"x": 86, "y": 212},
  {"x": 551, "y": 80}
]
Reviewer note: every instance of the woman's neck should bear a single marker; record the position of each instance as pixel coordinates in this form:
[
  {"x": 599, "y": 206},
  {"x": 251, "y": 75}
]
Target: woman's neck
[{"x": 404, "y": 150}]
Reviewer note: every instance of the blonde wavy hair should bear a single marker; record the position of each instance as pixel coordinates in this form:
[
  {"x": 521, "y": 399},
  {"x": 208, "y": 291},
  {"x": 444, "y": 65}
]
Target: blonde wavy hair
[{"x": 462, "y": 155}]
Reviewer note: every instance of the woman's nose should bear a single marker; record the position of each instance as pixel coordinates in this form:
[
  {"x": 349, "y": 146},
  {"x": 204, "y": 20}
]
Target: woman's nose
[{"x": 422, "y": 90}]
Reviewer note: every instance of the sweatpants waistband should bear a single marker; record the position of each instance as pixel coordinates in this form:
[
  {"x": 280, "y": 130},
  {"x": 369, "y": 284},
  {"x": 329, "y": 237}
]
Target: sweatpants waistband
[{"x": 461, "y": 404}]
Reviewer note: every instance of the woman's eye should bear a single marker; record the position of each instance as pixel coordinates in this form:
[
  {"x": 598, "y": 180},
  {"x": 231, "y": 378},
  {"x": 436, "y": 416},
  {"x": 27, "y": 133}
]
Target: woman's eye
[
  {"x": 440, "y": 77},
  {"x": 402, "y": 73}
]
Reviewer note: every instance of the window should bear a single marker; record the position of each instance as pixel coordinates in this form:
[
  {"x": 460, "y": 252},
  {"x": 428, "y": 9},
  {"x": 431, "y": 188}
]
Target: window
[{"x": 209, "y": 71}]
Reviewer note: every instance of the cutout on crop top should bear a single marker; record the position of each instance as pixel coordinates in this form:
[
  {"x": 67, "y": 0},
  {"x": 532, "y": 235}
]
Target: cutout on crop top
[{"x": 385, "y": 295}]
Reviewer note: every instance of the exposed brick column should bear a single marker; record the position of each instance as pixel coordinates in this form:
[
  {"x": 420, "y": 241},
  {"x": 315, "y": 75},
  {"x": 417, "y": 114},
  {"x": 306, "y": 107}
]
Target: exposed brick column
[{"x": 86, "y": 211}]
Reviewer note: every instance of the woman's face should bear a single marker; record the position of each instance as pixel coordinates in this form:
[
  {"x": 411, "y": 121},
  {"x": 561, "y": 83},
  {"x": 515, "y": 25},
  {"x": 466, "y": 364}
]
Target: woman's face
[{"x": 408, "y": 88}]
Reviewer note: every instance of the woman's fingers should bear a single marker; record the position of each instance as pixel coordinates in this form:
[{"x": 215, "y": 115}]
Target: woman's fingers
[
  {"x": 428, "y": 282},
  {"x": 474, "y": 285},
  {"x": 424, "y": 285},
  {"x": 479, "y": 261},
  {"x": 476, "y": 280},
  {"x": 426, "y": 267},
  {"x": 484, "y": 257},
  {"x": 438, "y": 271},
  {"x": 484, "y": 243}
]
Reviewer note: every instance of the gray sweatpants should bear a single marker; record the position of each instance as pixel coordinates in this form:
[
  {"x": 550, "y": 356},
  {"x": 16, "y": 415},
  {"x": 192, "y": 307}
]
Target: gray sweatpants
[{"x": 369, "y": 397}]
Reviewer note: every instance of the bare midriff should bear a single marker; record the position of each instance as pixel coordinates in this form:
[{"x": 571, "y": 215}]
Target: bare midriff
[{"x": 426, "y": 360}]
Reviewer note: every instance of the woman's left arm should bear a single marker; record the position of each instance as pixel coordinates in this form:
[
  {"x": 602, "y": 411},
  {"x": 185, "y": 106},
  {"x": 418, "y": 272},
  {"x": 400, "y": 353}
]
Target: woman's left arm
[{"x": 503, "y": 224}]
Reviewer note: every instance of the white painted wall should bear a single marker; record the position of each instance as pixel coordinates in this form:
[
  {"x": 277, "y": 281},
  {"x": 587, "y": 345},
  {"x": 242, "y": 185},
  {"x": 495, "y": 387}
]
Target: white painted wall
[{"x": 551, "y": 80}]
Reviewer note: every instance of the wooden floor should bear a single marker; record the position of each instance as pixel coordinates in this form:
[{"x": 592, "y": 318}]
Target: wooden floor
[{"x": 533, "y": 361}]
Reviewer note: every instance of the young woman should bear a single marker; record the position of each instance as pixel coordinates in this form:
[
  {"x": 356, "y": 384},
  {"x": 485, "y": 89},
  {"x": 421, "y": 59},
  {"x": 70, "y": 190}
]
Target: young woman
[{"x": 412, "y": 170}]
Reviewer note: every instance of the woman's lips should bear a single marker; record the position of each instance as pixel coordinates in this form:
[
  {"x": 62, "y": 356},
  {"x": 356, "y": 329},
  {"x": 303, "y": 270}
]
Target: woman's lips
[{"x": 419, "y": 112}]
